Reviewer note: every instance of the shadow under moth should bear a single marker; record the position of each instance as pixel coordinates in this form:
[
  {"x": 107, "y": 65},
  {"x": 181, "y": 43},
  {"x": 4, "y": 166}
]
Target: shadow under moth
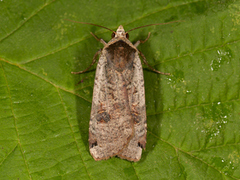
[{"x": 118, "y": 124}]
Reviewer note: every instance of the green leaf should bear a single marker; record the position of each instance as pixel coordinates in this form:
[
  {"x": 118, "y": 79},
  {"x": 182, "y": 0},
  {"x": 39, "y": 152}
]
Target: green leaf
[{"x": 193, "y": 114}]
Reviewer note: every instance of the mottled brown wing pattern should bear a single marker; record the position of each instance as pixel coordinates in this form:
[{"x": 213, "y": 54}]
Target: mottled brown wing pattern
[
  {"x": 111, "y": 125},
  {"x": 118, "y": 116},
  {"x": 136, "y": 95},
  {"x": 118, "y": 124}
]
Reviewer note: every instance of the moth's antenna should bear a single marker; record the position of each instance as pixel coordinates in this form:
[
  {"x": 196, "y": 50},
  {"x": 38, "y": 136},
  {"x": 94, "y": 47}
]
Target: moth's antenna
[
  {"x": 153, "y": 25},
  {"x": 90, "y": 24}
]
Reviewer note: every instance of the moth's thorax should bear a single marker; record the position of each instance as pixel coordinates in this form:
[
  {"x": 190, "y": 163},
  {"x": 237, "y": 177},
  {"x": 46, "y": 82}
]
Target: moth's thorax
[
  {"x": 120, "y": 55},
  {"x": 120, "y": 32},
  {"x": 119, "y": 51}
]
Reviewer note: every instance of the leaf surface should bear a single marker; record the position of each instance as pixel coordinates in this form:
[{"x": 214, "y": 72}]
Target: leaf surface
[{"x": 193, "y": 114}]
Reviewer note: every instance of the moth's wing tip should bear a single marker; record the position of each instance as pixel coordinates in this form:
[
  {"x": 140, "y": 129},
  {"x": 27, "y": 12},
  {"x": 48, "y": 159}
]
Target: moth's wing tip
[{"x": 133, "y": 154}]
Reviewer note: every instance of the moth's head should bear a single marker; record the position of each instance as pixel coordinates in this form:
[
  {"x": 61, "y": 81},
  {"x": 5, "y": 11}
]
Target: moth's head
[{"x": 120, "y": 33}]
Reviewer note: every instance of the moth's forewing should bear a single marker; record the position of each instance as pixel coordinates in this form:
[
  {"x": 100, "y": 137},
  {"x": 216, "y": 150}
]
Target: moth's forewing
[{"x": 118, "y": 115}]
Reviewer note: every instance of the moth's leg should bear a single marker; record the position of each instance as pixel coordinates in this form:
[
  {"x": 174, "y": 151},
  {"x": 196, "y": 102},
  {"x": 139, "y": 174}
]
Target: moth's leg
[
  {"x": 144, "y": 60},
  {"x": 98, "y": 39},
  {"x": 143, "y": 57},
  {"x": 93, "y": 61},
  {"x": 142, "y": 41}
]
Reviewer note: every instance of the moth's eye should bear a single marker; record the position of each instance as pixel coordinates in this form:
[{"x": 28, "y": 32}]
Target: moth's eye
[
  {"x": 113, "y": 35},
  {"x": 127, "y": 36}
]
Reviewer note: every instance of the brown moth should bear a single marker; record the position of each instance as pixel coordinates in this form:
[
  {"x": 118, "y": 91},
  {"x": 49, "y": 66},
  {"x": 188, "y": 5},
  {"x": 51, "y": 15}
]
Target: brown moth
[{"x": 118, "y": 125}]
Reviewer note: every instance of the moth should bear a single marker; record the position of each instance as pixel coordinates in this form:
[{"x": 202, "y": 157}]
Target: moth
[{"x": 118, "y": 124}]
